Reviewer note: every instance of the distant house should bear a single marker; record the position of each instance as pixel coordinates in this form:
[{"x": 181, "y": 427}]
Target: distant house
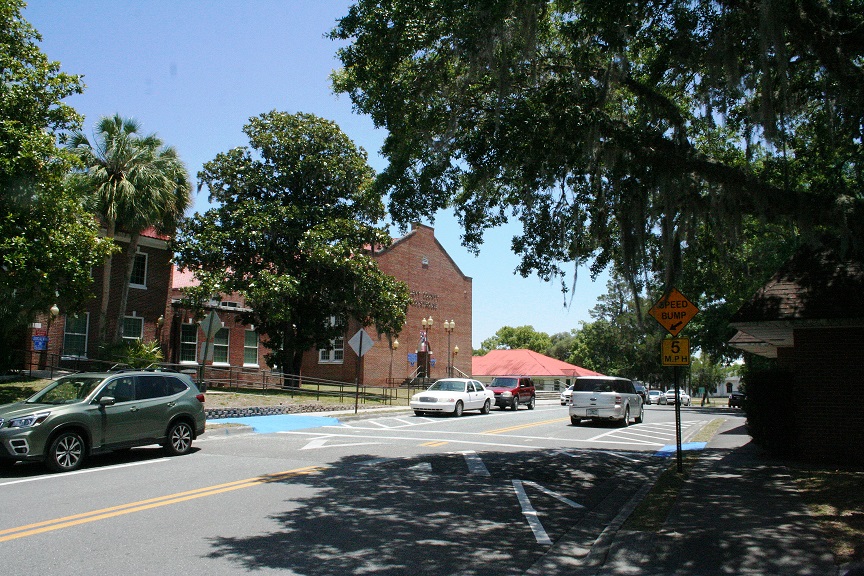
[
  {"x": 547, "y": 373},
  {"x": 810, "y": 317}
]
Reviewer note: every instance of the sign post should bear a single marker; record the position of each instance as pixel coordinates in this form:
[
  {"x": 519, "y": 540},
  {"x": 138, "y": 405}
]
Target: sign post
[
  {"x": 361, "y": 342},
  {"x": 211, "y": 324},
  {"x": 674, "y": 311}
]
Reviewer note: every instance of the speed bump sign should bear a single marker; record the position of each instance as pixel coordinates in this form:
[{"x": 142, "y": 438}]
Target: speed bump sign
[{"x": 673, "y": 311}]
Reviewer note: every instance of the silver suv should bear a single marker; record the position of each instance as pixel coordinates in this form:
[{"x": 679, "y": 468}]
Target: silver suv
[
  {"x": 89, "y": 413},
  {"x": 605, "y": 398}
]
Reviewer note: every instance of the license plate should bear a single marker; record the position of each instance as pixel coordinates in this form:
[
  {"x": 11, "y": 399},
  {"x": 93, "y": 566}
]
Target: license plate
[{"x": 592, "y": 412}]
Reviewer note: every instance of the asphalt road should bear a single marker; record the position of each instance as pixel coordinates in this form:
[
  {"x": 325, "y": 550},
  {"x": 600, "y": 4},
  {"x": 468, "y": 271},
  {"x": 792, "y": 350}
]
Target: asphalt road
[{"x": 392, "y": 494}]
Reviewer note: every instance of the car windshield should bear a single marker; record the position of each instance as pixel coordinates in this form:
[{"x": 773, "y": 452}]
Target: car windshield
[
  {"x": 66, "y": 391},
  {"x": 448, "y": 386},
  {"x": 503, "y": 382}
]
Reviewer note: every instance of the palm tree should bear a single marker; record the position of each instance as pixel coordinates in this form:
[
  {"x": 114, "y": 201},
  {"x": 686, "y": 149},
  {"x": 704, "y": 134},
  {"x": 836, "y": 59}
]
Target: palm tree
[{"x": 133, "y": 182}]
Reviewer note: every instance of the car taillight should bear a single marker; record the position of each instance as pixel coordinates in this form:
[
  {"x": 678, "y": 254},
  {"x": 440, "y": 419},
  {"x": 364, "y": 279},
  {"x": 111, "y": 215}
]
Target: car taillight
[
  {"x": 200, "y": 398},
  {"x": 617, "y": 400}
]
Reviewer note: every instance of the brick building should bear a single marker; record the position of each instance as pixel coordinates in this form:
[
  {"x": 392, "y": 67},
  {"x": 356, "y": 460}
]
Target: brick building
[
  {"x": 72, "y": 338},
  {"x": 810, "y": 317},
  {"x": 439, "y": 289}
]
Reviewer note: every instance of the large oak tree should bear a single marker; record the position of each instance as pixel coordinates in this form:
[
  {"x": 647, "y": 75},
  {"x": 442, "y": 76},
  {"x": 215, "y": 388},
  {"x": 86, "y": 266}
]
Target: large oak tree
[
  {"x": 294, "y": 217},
  {"x": 626, "y": 132}
]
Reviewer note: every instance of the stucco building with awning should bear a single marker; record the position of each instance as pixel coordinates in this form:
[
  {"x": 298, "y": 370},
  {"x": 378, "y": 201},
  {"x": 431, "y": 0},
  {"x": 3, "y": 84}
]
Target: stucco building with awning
[
  {"x": 810, "y": 317},
  {"x": 548, "y": 373}
]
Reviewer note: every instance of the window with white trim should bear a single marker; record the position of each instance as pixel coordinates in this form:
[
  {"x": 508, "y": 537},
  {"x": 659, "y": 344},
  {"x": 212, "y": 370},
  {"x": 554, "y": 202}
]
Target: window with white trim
[
  {"x": 133, "y": 327},
  {"x": 75, "y": 335},
  {"x": 335, "y": 352},
  {"x": 139, "y": 271},
  {"x": 250, "y": 348},
  {"x": 220, "y": 346},
  {"x": 188, "y": 342}
]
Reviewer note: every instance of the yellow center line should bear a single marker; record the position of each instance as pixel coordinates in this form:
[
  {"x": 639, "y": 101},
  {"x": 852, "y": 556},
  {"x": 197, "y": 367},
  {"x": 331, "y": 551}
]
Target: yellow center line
[
  {"x": 104, "y": 513},
  {"x": 435, "y": 443},
  {"x": 529, "y": 425}
]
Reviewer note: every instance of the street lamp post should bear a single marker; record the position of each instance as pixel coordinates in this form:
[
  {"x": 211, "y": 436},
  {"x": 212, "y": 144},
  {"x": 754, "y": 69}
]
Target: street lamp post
[
  {"x": 455, "y": 352},
  {"x": 426, "y": 347},
  {"x": 394, "y": 345},
  {"x": 448, "y": 327}
]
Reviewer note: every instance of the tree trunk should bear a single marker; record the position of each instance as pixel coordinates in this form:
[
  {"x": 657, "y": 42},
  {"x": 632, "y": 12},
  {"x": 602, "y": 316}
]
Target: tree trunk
[
  {"x": 127, "y": 278},
  {"x": 102, "y": 331}
]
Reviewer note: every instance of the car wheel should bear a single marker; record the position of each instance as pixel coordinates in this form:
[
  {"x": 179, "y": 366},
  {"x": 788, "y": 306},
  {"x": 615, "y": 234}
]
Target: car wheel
[
  {"x": 514, "y": 404},
  {"x": 531, "y": 403},
  {"x": 66, "y": 452},
  {"x": 458, "y": 410},
  {"x": 487, "y": 407},
  {"x": 179, "y": 440},
  {"x": 575, "y": 421},
  {"x": 626, "y": 421},
  {"x": 641, "y": 417}
]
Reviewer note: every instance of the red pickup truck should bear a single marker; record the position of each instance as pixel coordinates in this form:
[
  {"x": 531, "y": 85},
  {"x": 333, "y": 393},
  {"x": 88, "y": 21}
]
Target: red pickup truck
[{"x": 511, "y": 391}]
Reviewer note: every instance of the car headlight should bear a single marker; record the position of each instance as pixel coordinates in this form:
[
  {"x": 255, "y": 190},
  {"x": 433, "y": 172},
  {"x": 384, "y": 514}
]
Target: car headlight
[
  {"x": 29, "y": 420},
  {"x": 506, "y": 394}
]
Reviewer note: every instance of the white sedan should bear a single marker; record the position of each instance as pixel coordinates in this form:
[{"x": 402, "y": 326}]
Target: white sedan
[
  {"x": 670, "y": 397},
  {"x": 565, "y": 395},
  {"x": 453, "y": 396}
]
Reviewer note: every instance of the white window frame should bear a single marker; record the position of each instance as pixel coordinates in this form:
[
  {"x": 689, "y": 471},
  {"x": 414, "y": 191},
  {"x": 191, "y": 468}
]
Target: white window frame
[
  {"x": 248, "y": 347},
  {"x": 133, "y": 284},
  {"x": 85, "y": 334},
  {"x": 220, "y": 348},
  {"x": 140, "y": 320},
  {"x": 335, "y": 352},
  {"x": 187, "y": 343}
]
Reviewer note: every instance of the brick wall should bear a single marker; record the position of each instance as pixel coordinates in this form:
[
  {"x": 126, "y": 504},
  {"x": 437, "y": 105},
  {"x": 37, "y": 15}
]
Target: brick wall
[
  {"x": 828, "y": 363},
  {"x": 439, "y": 289},
  {"x": 147, "y": 303}
]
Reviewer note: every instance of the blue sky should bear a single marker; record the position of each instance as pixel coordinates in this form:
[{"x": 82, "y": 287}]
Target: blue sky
[{"x": 195, "y": 71}]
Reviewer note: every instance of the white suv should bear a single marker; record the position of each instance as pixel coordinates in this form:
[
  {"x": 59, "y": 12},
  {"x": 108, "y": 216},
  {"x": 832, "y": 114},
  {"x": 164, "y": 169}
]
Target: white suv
[{"x": 605, "y": 398}]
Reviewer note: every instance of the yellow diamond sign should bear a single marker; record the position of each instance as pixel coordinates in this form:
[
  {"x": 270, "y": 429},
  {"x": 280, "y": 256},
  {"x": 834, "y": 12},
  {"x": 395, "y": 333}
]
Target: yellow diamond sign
[{"x": 673, "y": 311}]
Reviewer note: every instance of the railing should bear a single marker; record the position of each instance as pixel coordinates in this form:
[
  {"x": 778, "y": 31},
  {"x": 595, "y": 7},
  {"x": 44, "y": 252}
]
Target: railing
[{"x": 232, "y": 378}]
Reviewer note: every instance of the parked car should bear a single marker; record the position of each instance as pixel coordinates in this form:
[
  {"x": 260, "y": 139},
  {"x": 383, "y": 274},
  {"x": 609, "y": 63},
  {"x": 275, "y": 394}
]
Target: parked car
[
  {"x": 670, "y": 397},
  {"x": 453, "y": 396},
  {"x": 83, "y": 414},
  {"x": 565, "y": 395},
  {"x": 656, "y": 397},
  {"x": 511, "y": 391},
  {"x": 736, "y": 399},
  {"x": 605, "y": 398},
  {"x": 640, "y": 389}
]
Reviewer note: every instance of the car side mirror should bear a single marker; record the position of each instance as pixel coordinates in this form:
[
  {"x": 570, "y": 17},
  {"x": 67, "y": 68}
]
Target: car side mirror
[{"x": 107, "y": 401}]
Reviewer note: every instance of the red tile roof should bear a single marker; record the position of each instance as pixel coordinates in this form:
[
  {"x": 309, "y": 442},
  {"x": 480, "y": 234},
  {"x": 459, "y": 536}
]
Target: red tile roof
[{"x": 525, "y": 362}]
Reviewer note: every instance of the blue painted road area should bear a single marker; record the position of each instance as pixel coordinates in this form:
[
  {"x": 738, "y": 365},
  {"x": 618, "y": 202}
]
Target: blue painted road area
[
  {"x": 279, "y": 422},
  {"x": 671, "y": 449}
]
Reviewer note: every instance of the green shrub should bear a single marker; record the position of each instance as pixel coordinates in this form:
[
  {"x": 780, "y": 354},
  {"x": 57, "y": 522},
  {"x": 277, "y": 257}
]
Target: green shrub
[{"x": 136, "y": 353}]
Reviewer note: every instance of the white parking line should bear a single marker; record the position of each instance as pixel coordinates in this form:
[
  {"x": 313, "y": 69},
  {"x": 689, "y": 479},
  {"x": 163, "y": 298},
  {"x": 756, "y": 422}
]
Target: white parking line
[
  {"x": 87, "y": 471},
  {"x": 475, "y": 464}
]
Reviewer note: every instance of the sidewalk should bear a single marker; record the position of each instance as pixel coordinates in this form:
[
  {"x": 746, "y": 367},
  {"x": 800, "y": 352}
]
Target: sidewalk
[{"x": 739, "y": 514}]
